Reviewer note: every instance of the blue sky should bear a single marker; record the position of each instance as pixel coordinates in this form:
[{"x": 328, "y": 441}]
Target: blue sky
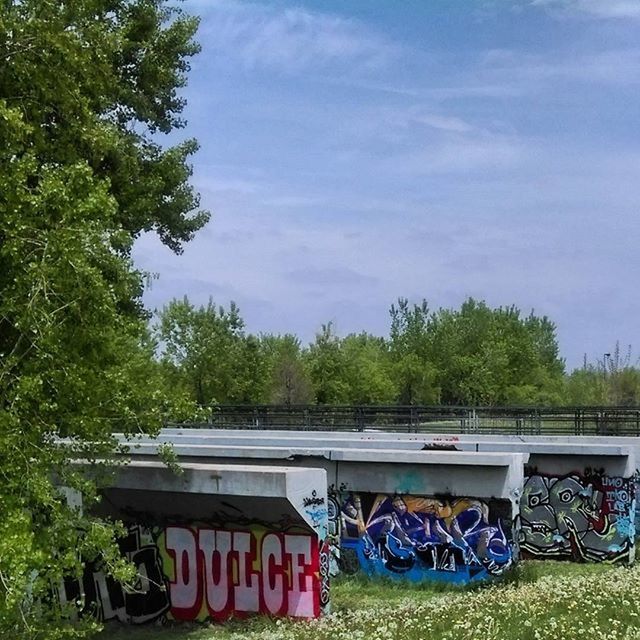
[{"x": 354, "y": 152}]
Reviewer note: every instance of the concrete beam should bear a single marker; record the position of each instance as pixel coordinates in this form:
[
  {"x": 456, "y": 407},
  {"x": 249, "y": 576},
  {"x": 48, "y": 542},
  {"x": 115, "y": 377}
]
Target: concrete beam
[
  {"x": 562, "y": 457},
  {"x": 481, "y": 475},
  {"x": 293, "y": 484},
  {"x": 263, "y": 523},
  {"x": 468, "y": 493},
  {"x": 264, "y": 439}
]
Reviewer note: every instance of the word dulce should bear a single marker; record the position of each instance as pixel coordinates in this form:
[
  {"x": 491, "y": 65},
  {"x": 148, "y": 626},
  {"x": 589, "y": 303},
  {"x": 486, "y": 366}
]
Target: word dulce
[{"x": 231, "y": 572}]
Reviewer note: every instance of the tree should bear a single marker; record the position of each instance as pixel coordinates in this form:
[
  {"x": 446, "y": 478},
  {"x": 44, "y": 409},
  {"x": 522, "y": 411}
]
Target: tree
[
  {"x": 413, "y": 368},
  {"x": 622, "y": 379},
  {"x": 474, "y": 355},
  {"x": 287, "y": 380},
  {"x": 494, "y": 356},
  {"x": 367, "y": 371},
  {"x": 326, "y": 366},
  {"x": 206, "y": 352},
  {"x": 86, "y": 87},
  {"x": 613, "y": 380}
]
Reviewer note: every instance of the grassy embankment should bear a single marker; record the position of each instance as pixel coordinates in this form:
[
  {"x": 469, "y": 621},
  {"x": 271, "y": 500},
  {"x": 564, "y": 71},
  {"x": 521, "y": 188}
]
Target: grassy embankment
[{"x": 543, "y": 601}]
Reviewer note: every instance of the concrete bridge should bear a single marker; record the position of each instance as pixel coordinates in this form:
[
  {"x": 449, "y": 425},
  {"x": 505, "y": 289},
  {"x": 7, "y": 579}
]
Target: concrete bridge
[
  {"x": 575, "y": 498},
  {"x": 258, "y": 521}
]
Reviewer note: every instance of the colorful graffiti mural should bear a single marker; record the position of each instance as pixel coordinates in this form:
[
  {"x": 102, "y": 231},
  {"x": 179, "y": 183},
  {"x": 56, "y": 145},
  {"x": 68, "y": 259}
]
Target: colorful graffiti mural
[
  {"x": 204, "y": 573},
  {"x": 585, "y": 517},
  {"x": 420, "y": 538},
  {"x": 636, "y": 488}
]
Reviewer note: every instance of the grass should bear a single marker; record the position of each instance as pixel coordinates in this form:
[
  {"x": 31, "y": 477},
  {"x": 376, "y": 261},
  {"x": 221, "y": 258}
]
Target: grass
[{"x": 540, "y": 601}]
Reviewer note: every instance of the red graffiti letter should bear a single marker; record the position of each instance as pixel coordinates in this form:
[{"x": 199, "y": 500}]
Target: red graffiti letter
[
  {"x": 185, "y": 589},
  {"x": 247, "y": 592},
  {"x": 215, "y": 547},
  {"x": 304, "y": 597},
  {"x": 272, "y": 575}
]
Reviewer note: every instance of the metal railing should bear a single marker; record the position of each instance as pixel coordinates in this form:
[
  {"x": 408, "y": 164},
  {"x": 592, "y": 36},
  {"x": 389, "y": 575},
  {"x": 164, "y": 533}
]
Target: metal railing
[{"x": 613, "y": 421}]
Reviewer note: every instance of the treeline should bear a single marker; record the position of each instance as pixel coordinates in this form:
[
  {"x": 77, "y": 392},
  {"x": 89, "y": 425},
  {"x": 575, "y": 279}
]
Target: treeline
[{"x": 474, "y": 355}]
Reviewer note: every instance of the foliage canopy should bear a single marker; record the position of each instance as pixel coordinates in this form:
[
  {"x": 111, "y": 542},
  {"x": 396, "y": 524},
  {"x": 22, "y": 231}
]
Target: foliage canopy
[
  {"x": 86, "y": 87},
  {"x": 472, "y": 355}
]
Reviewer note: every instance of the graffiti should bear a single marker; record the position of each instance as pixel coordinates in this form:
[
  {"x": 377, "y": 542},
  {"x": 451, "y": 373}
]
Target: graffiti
[
  {"x": 421, "y": 538},
  {"x": 106, "y": 599},
  {"x": 636, "y": 486},
  {"x": 325, "y": 570},
  {"x": 205, "y": 573},
  {"x": 314, "y": 500},
  {"x": 216, "y": 573},
  {"x": 333, "y": 513},
  {"x": 588, "y": 517},
  {"x": 317, "y": 516},
  {"x": 333, "y": 535}
]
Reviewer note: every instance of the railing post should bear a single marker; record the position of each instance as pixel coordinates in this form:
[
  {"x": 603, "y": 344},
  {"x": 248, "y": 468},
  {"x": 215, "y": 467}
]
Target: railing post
[{"x": 519, "y": 422}]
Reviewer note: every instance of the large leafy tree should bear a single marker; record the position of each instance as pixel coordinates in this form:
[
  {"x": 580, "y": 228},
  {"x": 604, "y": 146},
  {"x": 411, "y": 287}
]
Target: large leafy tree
[
  {"x": 495, "y": 356},
  {"x": 413, "y": 368},
  {"x": 474, "y": 355},
  {"x": 206, "y": 352},
  {"x": 287, "y": 381},
  {"x": 86, "y": 89},
  {"x": 327, "y": 366},
  {"x": 367, "y": 369},
  {"x": 355, "y": 369}
]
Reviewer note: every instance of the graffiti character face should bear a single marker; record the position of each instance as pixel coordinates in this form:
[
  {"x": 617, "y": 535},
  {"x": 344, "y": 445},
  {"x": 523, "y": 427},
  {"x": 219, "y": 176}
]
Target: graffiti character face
[
  {"x": 537, "y": 517},
  {"x": 577, "y": 505},
  {"x": 569, "y": 516}
]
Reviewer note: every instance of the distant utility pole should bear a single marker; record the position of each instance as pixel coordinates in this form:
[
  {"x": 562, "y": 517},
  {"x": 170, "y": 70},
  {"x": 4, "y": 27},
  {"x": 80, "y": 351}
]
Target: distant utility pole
[{"x": 605, "y": 357}]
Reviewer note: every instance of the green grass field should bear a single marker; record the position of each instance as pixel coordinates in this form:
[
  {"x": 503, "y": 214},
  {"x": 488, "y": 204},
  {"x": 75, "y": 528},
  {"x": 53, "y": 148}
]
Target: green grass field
[{"x": 541, "y": 601}]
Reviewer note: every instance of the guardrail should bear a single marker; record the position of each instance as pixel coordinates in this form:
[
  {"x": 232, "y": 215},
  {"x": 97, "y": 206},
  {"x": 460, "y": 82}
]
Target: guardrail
[{"x": 614, "y": 421}]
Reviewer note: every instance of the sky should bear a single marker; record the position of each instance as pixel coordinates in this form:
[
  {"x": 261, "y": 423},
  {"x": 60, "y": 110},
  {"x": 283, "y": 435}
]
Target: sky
[{"x": 353, "y": 152}]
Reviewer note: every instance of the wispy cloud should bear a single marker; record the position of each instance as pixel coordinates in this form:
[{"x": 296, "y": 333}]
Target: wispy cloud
[
  {"x": 597, "y": 8},
  {"x": 291, "y": 40},
  {"x": 350, "y": 160},
  {"x": 422, "y": 140},
  {"x": 523, "y": 72},
  {"x": 460, "y": 154},
  {"x": 444, "y": 123}
]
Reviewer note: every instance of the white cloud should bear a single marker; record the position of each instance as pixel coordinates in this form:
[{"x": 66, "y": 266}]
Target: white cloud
[
  {"x": 527, "y": 72},
  {"x": 459, "y": 154},
  {"x": 444, "y": 123},
  {"x": 290, "y": 40},
  {"x": 597, "y": 8},
  {"x": 424, "y": 181}
]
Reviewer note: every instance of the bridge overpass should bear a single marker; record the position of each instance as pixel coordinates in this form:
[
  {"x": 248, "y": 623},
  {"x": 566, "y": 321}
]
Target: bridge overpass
[{"x": 257, "y": 520}]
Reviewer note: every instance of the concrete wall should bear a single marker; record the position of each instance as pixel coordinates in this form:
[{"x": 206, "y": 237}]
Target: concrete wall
[
  {"x": 214, "y": 542},
  {"x": 578, "y": 496},
  {"x": 417, "y": 537},
  {"x": 455, "y": 519}
]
